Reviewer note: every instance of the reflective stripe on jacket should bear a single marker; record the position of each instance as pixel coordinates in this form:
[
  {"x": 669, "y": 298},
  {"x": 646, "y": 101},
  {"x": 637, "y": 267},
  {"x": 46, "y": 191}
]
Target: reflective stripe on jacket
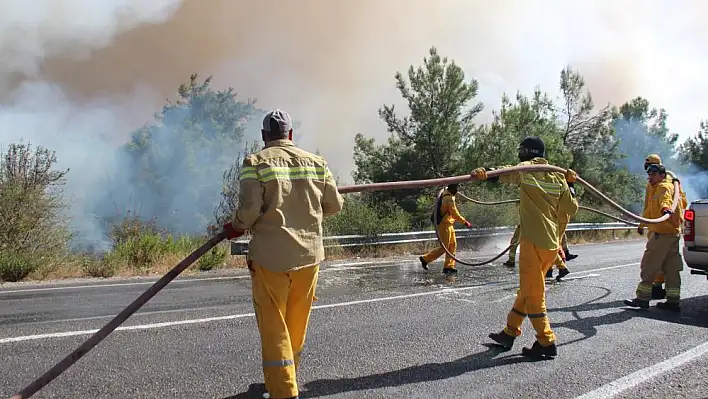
[
  {"x": 284, "y": 194},
  {"x": 545, "y": 204}
]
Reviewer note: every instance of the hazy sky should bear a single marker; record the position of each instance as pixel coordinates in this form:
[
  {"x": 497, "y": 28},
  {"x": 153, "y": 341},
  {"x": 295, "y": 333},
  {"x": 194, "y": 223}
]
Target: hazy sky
[{"x": 101, "y": 68}]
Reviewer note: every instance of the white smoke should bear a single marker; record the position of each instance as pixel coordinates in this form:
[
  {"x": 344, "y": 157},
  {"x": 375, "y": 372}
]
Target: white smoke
[
  {"x": 78, "y": 76},
  {"x": 32, "y": 31}
]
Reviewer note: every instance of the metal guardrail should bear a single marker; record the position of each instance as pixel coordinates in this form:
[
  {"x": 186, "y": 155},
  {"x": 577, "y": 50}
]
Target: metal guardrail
[{"x": 240, "y": 246}]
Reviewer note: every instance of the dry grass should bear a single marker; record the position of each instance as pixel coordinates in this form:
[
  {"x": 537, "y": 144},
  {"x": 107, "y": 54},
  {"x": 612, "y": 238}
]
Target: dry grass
[{"x": 85, "y": 266}]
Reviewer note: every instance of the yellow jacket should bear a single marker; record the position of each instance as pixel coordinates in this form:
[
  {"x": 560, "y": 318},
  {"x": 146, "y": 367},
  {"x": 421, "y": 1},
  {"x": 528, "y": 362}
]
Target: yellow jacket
[
  {"x": 284, "y": 194},
  {"x": 683, "y": 204},
  {"x": 449, "y": 211},
  {"x": 545, "y": 204},
  {"x": 658, "y": 197}
]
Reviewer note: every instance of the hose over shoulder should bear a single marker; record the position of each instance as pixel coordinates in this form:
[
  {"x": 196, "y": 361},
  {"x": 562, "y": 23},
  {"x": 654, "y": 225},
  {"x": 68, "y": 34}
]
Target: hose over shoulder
[
  {"x": 511, "y": 201},
  {"x": 413, "y": 184}
]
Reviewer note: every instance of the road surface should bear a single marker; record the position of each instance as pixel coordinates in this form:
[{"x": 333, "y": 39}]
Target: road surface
[{"x": 381, "y": 328}]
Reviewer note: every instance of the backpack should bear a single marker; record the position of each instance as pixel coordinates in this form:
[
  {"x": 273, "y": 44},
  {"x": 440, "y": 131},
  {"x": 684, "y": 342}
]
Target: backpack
[{"x": 438, "y": 205}]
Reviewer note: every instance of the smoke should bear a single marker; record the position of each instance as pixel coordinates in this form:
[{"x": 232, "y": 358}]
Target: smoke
[{"x": 78, "y": 76}]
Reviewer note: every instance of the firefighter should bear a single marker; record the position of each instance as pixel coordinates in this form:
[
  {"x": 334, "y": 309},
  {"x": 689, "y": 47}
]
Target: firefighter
[
  {"x": 545, "y": 202},
  {"x": 662, "y": 249},
  {"x": 284, "y": 194},
  {"x": 447, "y": 216},
  {"x": 658, "y": 291}
]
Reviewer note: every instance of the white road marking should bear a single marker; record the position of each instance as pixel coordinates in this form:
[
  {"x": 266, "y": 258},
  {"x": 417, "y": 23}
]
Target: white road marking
[
  {"x": 221, "y": 318},
  {"x": 456, "y": 290},
  {"x": 632, "y": 380},
  {"x": 335, "y": 267}
]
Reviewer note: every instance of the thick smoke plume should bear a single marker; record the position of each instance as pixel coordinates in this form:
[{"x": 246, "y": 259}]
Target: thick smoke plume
[{"x": 78, "y": 76}]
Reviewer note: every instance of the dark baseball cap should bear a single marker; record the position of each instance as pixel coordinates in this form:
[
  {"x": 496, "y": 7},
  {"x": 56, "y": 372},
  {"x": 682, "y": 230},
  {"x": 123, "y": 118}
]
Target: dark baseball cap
[{"x": 277, "y": 120}]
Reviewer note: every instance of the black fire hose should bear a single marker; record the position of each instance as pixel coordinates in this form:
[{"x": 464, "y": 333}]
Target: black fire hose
[{"x": 101, "y": 334}]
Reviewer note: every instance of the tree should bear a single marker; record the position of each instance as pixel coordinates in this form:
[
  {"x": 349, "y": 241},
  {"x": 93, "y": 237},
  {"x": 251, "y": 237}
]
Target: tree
[
  {"x": 33, "y": 223},
  {"x": 497, "y": 143},
  {"x": 693, "y": 153},
  {"x": 641, "y": 130},
  {"x": 173, "y": 167},
  {"x": 588, "y": 134},
  {"x": 431, "y": 141}
]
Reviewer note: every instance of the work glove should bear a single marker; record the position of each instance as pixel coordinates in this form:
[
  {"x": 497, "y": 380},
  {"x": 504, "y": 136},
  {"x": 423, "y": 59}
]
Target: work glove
[
  {"x": 468, "y": 224},
  {"x": 232, "y": 232},
  {"x": 640, "y": 230},
  {"x": 480, "y": 173},
  {"x": 561, "y": 252},
  {"x": 571, "y": 187},
  {"x": 570, "y": 176}
]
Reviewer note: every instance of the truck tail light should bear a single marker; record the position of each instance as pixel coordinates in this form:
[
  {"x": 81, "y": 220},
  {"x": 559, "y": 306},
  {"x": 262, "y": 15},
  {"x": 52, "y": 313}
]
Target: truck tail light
[{"x": 689, "y": 233}]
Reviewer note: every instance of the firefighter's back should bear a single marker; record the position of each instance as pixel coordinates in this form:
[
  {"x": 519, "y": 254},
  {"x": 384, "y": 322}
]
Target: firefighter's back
[{"x": 298, "y": 191}]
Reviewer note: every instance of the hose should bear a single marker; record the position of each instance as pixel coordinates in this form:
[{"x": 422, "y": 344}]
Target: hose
[
  {"x": 599, "y": 212},
  {"x": 496, "y": 173},
  {"x": 101, "y": 334},
  {"x": 444, "y": 181}
]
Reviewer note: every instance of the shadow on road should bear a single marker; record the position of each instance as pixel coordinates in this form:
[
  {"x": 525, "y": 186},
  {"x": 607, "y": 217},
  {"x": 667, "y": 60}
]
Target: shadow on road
[
  {"x": 694, "y": 312},
  {"x": 409, "y": 375},
  {"x": 414, "y": 374}
]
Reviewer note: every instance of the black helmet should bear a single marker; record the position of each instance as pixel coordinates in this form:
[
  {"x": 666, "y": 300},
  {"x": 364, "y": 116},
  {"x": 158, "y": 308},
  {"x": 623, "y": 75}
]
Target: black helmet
[
  {"x": 452, "y": 188},
  {"x": 531, "y": 147}
]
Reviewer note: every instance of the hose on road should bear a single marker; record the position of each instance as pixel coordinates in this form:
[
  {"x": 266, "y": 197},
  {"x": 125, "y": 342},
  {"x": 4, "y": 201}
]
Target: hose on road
[{"x": 101, "y": 334}]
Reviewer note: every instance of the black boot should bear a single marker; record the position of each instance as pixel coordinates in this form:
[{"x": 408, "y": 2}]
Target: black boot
[
  {"x": 423, "y": 263},
  {"x": 539, "y": 351},
  {"x": 672, "y": 306},
  {"x": 510, "y": 263},
  {"x": 637, "y": 303},
  {"x": 503, "y": 339},
  {"x": 570, "y": 256},
  {"x": 549, "y": 273},
  {"x": 658, "y": 292},
  {"x": 562, "y": 273},
  {"x": 449, "y": 270}
]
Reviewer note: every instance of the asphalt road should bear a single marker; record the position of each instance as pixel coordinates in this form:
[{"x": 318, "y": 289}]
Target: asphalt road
[{"x": 382, "y": 328}]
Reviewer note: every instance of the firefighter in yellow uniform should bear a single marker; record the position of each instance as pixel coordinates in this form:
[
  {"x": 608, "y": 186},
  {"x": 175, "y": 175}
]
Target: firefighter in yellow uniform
[
  {"x": 545, "y": 203},
  {"x": 284, "y": 194},
  {"x": 448, "y": 215},
  {"x": 658, "y": 291},
  {"x": 662, "y": 249}
]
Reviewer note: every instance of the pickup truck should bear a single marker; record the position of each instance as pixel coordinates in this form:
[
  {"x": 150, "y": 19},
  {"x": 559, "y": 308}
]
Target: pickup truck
[{"x": 695, "y": 237}]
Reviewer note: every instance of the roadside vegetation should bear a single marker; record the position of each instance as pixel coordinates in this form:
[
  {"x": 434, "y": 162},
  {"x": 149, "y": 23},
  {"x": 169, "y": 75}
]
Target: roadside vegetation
[{"x": 183, "y": 172}]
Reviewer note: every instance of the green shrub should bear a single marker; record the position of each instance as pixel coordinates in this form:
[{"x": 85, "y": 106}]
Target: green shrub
[
  {"x": 358, "y": 217},
  {"x": 16, "y": 266},
  {"x": 212, "y": 259}
]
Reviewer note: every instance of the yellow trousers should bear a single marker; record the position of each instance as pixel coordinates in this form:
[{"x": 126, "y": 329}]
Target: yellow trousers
[
  {"x": 661, "y": 256},
  {"x": 282, "y": 303},
  {"x": 447, "y": 236},
  {"x": 534, "y": 262}
]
